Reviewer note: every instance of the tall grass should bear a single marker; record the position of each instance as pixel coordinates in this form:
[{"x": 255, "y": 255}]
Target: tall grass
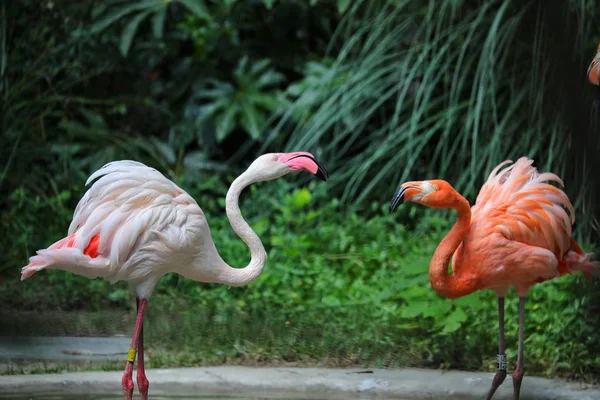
[{"x": 421, "y": 90}]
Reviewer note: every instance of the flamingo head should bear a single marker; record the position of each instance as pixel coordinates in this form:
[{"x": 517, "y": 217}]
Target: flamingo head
[
  {"x": 434, "y": 193},
  {"x": 274, "y": 165}
]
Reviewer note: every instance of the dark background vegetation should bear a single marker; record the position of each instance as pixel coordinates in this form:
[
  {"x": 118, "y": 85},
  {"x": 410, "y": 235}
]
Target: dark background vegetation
[{"x": 379, "y": 91}]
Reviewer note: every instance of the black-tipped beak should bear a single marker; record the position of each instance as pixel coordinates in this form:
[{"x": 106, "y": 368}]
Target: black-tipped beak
[
  {"x": 321, "y": 172},
  {"x": 397, "y": 199}
]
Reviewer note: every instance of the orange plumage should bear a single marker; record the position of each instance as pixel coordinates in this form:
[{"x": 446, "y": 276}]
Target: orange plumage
[{"x": 520, "y": 232}]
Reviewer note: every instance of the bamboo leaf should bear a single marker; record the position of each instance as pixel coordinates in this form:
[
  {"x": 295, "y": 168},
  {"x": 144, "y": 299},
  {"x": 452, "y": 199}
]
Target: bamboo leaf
[
  {"x": 251, "y": 120},
  {"x": 197, "y": 7},
  {"x": 158, "y": 23},
  {"x": 119, "y": 12},
  {"x": 342, "y": 5},
  {"x": 130, "y": 30},
  {"x": 225, "y": 122}
]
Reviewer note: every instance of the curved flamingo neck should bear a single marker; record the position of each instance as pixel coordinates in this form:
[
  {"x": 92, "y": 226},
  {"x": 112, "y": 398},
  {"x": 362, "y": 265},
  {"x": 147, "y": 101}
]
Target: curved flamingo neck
[
  {"x": 258, "y": 255},
  {"x": 207, "y": 264},
  {"x": 446, "y": 285}
]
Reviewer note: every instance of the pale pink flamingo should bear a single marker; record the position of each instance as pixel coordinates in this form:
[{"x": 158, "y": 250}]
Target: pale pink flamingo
[
  {"x": 517, "y": 234},
  {"x": 135, "y": 225}
]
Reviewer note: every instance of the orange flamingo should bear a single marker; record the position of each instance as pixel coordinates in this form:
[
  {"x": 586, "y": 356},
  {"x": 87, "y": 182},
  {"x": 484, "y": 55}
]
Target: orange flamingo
[
  {"x": 518, "y": 234},
  {"x": 593, "y": 72}
]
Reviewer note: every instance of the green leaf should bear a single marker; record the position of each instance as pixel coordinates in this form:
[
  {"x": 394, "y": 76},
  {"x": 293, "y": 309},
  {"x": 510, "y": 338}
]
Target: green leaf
[
  {"x": 118, "y": 13},
  {"x": 301, "y": 197},
  {"x": 257, "y": 67},
  {"x": 437, "y": 309},
  {"x": 226, "y": 122},
  {"x": 197, "y": 7},
  {"x": 129, "y": 31},
  {"x": 250, "y": 120},
  {"x": 473, "y": 300},
  {"x": 218, "y": 90},
  {"x": 454, "y": 321},
  {"x": 165, "y": 150},
  {"x": 268, "y": 3},
  {"x": 413, "y": 309},
  {"x": 94, "y": 120},
  {"x": 118, "y": 295},
  {"x": 198, "y": 160},
  {"x": 268, "y": 101},
  {"x": 342, "y": 5},
  {"x": 414, "y": 292},
  {"x": 270, "y": 78},
  {"x": 158, "y": 23}
]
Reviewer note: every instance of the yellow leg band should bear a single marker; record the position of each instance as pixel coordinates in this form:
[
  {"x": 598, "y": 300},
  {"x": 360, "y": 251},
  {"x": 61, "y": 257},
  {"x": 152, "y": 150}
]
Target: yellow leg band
[{"x": 131, "y": 355}]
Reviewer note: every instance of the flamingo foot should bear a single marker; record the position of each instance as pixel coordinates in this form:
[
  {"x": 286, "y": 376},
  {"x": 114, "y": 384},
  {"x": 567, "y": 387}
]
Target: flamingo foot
[
  {"x": 519, "y": 370},
  {"x": 498, "y": 380},
  {"x": 501, "y": 358},
  {"x": 143, "y": 385},
  {"x": 127, "y": 382},
  {"x": 142, "y": 381},
  {"x": 517, "y": 379},
  {"x": 137, "y": 342}
]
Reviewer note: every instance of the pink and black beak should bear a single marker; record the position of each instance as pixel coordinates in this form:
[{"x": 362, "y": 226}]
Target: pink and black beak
[
  {"x": 301, "y": 160},
  {"x": 398, "y": 197}
]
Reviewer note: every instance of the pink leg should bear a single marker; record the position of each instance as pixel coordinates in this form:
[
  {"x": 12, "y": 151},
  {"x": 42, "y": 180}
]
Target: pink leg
[
  {"x": 127, "y": 380},
  {"x": 519, "y": 370},
  {"x": 142, "y": 381},
  {"x": 501, "y": 372}
]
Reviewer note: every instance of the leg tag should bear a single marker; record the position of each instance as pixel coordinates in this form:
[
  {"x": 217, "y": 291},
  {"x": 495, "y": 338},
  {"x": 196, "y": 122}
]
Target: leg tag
[
  {"x": 131, "y": 355},
  {"x": 501, "y": 361}
]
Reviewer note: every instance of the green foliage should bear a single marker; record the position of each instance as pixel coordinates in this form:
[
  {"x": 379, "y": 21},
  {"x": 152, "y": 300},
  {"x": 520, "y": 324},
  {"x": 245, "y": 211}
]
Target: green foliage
[
  {"x": 108, "y": 13},
  {"x": 245, "y": 104}
]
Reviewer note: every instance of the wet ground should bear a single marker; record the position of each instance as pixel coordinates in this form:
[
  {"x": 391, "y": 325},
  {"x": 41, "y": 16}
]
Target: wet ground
[
  {"x": 227, "y": 382},
  {"x": 293, "y": 383}
]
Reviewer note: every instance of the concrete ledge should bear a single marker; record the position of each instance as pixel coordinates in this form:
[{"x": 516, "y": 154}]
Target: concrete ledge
[{"x": 305, "y": 382}]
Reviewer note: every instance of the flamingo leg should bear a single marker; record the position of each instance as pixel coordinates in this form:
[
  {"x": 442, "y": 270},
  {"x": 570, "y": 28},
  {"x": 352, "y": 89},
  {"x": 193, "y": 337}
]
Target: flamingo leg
[
  {"x": 142, "y": 381},
  {"x": 127, "y": 380},
  {"x": 501, "y": 372},
  {"x": 519, "y": 371}
]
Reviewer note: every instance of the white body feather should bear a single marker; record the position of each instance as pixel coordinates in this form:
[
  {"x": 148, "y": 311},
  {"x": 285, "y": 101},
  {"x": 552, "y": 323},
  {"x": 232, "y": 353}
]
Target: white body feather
[{"x": 147, "y": 226}]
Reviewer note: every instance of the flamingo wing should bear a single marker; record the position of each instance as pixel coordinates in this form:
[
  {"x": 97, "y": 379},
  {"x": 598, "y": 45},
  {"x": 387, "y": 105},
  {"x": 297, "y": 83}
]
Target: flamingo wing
[
  {"x": 517, "y": 206},
  {"x": 131, "y": 214},
  {"x": 519, "y": 203}
]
